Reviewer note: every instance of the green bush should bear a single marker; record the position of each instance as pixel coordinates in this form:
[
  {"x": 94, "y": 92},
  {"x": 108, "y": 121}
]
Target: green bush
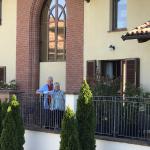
[
  {"x": 8, "y": 139},
  {"x": 86, "y": 118},
  {"x": 69, "y": 134},
  {"x": 13, "y": 130},
  {"x": 18, "y": 122},
  {"x": 5, "y": 105},
  {"x": 8, "y": 86},
  {"x": 3, "y": 111},
  {"x": 133, "y": 91},
  {"x": 106, "y": 87}
]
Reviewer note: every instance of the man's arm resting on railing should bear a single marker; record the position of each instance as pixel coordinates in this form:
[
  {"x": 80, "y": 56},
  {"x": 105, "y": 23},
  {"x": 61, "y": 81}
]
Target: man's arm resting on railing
[{"x": 41, "y": 90}]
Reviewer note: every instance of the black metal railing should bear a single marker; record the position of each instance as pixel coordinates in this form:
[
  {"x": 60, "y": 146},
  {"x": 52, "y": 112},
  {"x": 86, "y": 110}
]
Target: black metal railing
[
  {"x": 35, "y": 116},
  {"x": 123, "y": 117},
  {"x": 119, "y": 117}
]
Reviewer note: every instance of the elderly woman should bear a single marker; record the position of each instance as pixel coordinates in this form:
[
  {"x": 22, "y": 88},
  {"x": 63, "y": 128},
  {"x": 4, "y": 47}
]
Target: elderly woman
[{"x": 57, "y": 105}]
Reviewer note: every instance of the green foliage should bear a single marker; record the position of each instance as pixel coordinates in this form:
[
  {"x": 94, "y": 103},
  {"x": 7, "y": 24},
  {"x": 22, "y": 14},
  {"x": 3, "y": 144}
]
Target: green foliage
[
  {"x": 3, "y": 111},
  {"x": 132, "y": 91},
  {"x": 69, "y": 134},
  {"x": 106, "y": 87},
  {"x": 86, "y": 118},
  {"x": 5, "y": 105},
  {"x": 8, "y": 139},
  {"x": 12, "y": 126},
  {"x": 18, "y": 122},
  {"x": 8, "y": 86}
]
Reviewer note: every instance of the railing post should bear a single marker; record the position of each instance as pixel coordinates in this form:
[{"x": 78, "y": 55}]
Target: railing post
[
  {"x": 41, "y": 110},
  {"x": 114, "y": 117}
]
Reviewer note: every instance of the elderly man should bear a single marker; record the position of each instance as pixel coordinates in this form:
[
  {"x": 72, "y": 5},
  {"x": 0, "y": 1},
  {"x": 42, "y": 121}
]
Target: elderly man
[
  {"x": 44, "y": 89},
  {"x": 57, "y": 105},
  {"x": 46, "y": 102}
]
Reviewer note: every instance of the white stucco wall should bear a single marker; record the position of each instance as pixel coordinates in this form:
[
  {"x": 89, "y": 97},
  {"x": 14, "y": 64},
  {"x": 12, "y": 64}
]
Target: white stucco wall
[
  {"x": 8, "y": 38},
  {"x": 41, "y": 141},
  {"x": 97, "y": 39},
  {"x": 49, "y": 141},
  {"x": 55, "y": 69}
]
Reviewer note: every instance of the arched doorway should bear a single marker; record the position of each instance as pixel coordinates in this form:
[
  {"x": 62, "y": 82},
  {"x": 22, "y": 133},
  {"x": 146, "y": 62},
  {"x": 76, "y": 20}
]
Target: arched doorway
[{"x": 53, "y": 41}]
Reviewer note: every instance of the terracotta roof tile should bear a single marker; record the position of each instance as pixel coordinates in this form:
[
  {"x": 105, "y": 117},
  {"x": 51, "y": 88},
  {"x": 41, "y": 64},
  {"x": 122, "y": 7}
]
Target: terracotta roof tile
[{"x": 142, "y": 31}]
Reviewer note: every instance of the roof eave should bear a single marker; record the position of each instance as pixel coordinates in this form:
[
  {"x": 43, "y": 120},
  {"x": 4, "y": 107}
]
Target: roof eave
[{"x": 144, "y": 37}]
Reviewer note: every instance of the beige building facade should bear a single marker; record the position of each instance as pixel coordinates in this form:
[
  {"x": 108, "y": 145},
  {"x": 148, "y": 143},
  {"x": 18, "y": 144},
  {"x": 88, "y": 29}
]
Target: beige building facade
[
  {"x": 98, "y": 36},
  {"x": 8, "y": 38}
]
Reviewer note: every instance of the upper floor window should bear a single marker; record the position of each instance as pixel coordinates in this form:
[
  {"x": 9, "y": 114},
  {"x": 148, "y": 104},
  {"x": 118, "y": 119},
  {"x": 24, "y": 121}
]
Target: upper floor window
[
  {"x": 0, "y": 12},
  {"x": 119, "y": 18},
  {"x": 53, "y": 31}
]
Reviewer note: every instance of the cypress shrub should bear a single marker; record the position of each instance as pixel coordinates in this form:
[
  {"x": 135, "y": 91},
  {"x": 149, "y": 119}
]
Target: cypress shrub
[
  {"x": 5, "y": 105},
  {"x": 8, "y": 139},
  {"x": 86, "y": 118},
  {"x": 3, "y": 111},
  {"x": 18, "y": 122},
  {"x": 69, "y": 134}
]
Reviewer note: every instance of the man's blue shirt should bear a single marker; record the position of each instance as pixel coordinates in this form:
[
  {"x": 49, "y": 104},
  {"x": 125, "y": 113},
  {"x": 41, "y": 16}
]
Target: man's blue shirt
[{"x": 44, "y": 89}]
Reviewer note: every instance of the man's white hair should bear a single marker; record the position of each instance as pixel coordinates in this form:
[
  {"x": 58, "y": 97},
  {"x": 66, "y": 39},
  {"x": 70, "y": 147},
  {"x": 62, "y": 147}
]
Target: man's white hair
[{"x": 50, "y": 78}]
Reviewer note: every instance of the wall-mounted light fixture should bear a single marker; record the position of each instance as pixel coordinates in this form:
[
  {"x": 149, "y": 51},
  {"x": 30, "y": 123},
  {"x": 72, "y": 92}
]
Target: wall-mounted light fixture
[{"x": 112, "y": 47}]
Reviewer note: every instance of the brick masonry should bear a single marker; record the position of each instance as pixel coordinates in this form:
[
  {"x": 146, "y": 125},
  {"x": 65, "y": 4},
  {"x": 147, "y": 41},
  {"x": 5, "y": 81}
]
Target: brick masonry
[{"x": 28, "y": 44}]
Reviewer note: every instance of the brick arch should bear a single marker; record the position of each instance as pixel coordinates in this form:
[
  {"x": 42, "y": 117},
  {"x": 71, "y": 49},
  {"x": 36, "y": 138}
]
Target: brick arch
[{"x": 28, "y": 44}]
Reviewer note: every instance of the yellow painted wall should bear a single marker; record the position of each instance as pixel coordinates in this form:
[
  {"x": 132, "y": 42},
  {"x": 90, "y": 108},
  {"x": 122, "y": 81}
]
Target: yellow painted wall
[
  {"x": 55, "y": 69},
  {"x": 97, "y": 38},
  {"x": 8, "y": 38}
]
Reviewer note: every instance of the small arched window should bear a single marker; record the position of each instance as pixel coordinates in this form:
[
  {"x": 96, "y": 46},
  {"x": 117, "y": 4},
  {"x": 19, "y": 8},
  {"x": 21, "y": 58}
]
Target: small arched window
[{"x": 53, "y": 31}]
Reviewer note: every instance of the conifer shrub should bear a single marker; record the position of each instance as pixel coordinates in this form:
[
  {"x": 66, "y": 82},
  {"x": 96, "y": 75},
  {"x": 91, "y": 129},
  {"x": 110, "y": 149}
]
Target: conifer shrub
[
  {"x": 12, "y": 137},
  {"x": 18, "y": 122},
  {"x": 86, "y": 118},
  {"x": 8, "y": 139},
  {"x": 69, "y": 134},
  {"x": 3, "y": 111},
  {"x": 5, "y": 105}
]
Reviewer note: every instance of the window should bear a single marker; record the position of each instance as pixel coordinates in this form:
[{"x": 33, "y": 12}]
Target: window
[
  {"x": 126, "y": 70},
  {"x": 53, "y": 31},
  {"x": 3, "y": 74},
  {"x": 119, "y": 12},
  {"x": 0, "y": 12}
]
